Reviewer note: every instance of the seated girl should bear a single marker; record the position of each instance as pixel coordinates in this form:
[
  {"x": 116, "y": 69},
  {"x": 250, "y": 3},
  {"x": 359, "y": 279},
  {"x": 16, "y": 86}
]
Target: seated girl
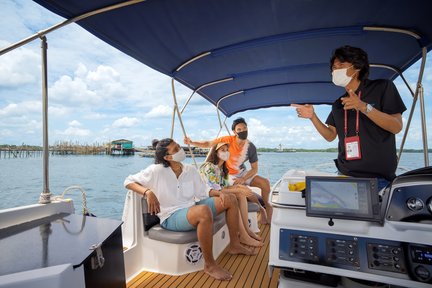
[{"x": 215, "y": 173}]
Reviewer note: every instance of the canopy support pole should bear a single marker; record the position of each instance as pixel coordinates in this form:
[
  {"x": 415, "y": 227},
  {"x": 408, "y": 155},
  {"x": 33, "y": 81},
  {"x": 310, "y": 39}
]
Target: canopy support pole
[
  {"x": 180, "y": 120},
  {"x": 218, "y": 111},
  {"x": 220, "y": 128},
  {"x": 423, "y": 122},
  {"x": 45, "y": 196},
  {"x": 408, "y": 125},
  {"x": 418, "y": 93},
  {"x": 173, "y": 121}
]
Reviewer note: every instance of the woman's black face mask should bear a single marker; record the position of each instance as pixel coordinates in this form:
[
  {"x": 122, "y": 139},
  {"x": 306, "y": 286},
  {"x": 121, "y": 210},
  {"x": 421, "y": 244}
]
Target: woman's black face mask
[{"x": 243, "y": 135}]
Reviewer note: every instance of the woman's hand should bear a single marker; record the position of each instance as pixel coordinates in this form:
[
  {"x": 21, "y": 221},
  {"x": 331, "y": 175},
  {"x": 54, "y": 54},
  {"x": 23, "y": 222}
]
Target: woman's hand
[{"x": 152, "y": 203}]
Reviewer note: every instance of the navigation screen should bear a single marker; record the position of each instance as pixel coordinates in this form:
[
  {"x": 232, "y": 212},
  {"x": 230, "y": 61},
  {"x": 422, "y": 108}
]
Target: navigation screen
[
  {"x": 339, "y": 196},
  {"x": 343, "y": 197}
]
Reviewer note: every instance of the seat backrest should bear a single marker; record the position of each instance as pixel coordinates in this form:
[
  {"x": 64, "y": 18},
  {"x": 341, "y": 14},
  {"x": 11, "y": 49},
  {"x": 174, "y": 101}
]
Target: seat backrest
[{"x": 149, "y": 220}]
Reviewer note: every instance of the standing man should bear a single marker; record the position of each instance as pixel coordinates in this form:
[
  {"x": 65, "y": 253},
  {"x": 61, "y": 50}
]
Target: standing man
[
  {"x": 171, "y": 187},
  {"x": 365, "y": 119},
  {"x": 241, "y": 150}
]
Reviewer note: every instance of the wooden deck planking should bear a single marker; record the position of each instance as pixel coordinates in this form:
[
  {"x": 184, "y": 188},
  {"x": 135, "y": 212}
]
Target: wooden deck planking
[
  {"x": 248, "y": 271},
  {"x": 244, "y": 268}
]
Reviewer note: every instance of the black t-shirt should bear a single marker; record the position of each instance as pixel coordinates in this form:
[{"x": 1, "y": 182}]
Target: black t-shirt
[{"x": 378, "y": 146}]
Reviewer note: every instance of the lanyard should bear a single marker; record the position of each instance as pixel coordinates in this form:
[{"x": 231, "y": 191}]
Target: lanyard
[{"x": 346, "y": 119}]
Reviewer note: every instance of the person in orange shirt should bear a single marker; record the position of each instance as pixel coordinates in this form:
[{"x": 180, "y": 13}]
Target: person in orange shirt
[{"x": 241, "y": 150}]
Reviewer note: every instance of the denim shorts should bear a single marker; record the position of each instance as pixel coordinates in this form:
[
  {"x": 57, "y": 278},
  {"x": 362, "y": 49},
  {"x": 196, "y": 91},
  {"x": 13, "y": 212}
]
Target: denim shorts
[{"x": 178, "y": 220}]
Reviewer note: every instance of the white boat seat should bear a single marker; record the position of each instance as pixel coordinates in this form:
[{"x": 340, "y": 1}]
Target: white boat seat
[
  {"x": 161, "y": 234},
  {"x": 156, "y": 232}
]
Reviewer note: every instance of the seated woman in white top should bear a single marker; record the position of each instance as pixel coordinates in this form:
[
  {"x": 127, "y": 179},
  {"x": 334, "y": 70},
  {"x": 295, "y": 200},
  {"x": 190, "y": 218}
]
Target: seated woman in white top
[
  {"x": 171, "y": 187},
  {"x": 215, "y": 173}
]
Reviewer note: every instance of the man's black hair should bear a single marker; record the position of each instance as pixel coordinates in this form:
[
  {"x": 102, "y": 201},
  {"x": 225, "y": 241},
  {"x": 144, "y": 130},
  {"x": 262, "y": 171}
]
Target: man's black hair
[
  {"x": 238, "y": 121},
  {"x": 357, "y": 56},
  {"x": 162, "y": 150}
]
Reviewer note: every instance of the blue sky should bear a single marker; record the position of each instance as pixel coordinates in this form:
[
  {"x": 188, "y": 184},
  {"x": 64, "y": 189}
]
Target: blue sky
[{"x": 97, "y": 94}]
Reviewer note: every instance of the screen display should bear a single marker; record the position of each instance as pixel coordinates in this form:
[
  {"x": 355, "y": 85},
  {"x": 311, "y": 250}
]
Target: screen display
[
  {"x": 336, "y": 197},
  {"x": 340, "y": 196}
]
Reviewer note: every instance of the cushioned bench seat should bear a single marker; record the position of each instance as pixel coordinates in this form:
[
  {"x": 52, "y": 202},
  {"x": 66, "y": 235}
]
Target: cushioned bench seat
[
  {"x": 161, "y": 234},
  {"x": 158, "y": 233}
]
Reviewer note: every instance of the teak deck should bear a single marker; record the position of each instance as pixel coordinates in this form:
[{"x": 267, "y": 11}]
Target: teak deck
[{"x": 248, "y": 271}]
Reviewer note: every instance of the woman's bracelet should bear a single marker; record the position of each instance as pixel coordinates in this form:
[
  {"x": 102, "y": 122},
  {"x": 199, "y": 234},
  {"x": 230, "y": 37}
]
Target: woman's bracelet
[{"x": 145, "y": 192}]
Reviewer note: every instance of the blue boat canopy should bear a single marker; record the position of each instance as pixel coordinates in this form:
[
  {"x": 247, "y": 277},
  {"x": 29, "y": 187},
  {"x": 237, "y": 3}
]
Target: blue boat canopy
[{"x": 250, "y": 54}]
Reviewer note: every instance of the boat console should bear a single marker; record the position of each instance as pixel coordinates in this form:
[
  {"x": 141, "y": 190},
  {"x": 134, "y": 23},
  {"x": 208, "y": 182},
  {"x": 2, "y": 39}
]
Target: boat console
[{"x": 346, "y": 228}]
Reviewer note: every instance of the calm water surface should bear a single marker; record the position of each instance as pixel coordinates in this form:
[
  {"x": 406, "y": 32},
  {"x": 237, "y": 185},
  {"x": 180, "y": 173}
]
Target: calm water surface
[{"x": 102, "y": 176}]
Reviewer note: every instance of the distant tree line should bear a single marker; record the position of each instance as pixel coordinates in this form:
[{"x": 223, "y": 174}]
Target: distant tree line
[
  {"x": 61, "y": 148},
  {"x": 325, "y": 150},
  {"x": 20, "y": 147}
]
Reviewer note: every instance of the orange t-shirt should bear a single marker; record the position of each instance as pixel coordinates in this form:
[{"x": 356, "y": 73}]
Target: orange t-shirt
[{"x": 238, "y": 155}]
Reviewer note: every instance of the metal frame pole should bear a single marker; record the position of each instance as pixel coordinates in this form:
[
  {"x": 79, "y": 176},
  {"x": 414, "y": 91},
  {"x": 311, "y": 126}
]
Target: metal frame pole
[
  {"x": 180, "y": 119},
  {"x": 45, "y": 196},
  {"x": 423, "y": 122}
]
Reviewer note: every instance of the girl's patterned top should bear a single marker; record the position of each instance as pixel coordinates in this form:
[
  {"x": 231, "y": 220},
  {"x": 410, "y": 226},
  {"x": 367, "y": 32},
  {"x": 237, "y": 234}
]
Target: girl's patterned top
[{"x": 212, "y": 175}]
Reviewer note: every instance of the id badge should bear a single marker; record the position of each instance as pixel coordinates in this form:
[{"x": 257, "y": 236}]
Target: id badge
[{"x": 352, "y": 148}]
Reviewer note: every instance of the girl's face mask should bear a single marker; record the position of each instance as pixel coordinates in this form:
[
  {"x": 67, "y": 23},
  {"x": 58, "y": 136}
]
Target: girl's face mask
[{"x": 223, "y": 155}]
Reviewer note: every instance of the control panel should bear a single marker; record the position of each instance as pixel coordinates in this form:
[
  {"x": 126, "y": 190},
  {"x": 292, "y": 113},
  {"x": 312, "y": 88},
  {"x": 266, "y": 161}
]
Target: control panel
[
  {"x": 304, "y": 247},
  {"x": 369, "y": 255},
  {"x": 342, "y": 252},
  {"x": 386, "y": 257}
]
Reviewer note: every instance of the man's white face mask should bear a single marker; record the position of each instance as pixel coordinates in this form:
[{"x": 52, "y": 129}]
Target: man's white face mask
[
  {"x": 340, "y": 77},
  {"x": 179, "y": 156}
]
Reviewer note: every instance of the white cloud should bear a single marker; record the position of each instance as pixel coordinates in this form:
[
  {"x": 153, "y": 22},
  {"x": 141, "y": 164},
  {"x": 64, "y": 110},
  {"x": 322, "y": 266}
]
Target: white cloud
[
  {"x": 159, "y": 111},
  {"x": 88, "y": 87},
  {"x": 74, "y": 132},
  {"x": 58, "y": 111},
  {"x": 125, "y": 122},
  {"x": 20, "y": 67},
  {"x": 21, "y": 108},
  {"x": 74, "y": 123},
  {"x": 95, "y": 116}
]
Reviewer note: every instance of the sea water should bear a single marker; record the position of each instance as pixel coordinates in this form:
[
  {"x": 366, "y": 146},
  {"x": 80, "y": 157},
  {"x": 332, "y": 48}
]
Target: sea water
[{"x": 102, "y": 176}]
